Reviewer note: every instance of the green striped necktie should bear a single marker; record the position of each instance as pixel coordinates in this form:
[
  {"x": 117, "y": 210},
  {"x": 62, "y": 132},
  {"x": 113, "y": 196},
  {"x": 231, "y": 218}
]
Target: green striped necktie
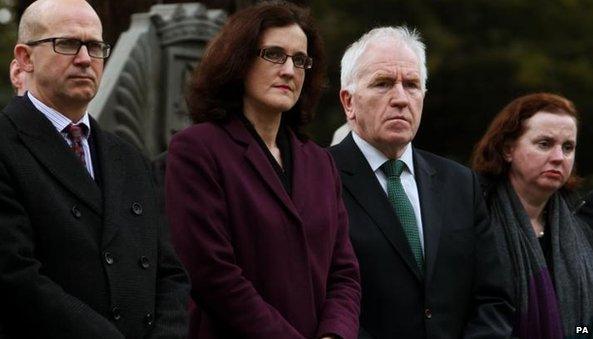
[{"x": 403, "y": 207}]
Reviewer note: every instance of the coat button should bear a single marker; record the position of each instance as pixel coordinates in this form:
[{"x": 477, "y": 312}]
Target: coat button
[
  {"x": 136, "y": 208},
  {"x": 108, "y": 258},
  {"x": 76, "y": 212},
  {"x": 116, "y": 313},
  {"x": 144, "y": 262},
  {"x": 148, "y": 319},
  {"x": 428, "y": 313}
]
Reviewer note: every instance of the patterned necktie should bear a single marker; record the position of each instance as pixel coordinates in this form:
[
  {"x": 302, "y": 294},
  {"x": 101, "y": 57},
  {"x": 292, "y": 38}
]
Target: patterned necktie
[
  {"x": 75, "y": 135},
  {"x": 403, "y": 207}
]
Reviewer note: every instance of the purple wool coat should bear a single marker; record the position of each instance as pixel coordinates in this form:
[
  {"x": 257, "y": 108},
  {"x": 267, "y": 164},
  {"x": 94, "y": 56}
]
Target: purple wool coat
[{"x": 263, "y": 264}]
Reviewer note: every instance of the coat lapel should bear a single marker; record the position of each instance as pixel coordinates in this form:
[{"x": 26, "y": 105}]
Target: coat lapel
[
  {"x": 112, "y": 170},
  {"x": 259, "y": 161},
  {"x": 431, "y": 209},
  {"x": 51, "y": 150},
  {"x": 359, "y": 179},
  {"x": 300, "y": 184}
]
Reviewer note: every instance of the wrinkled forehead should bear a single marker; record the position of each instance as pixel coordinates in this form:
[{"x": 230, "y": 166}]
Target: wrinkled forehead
[
  {"x": 388, "y": 57},
  {"x": 389, "y": 69}
]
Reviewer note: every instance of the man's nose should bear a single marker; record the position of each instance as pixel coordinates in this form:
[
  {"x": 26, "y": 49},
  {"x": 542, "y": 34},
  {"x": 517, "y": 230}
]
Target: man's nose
[
  {"x": 82, "y": 58},
  {"x": 399, "y": 97}
]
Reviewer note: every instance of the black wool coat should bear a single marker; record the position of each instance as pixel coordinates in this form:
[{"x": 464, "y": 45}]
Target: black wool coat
[
  {"x": 461, "y": 292},
  {"x": 80, "y": 259}
]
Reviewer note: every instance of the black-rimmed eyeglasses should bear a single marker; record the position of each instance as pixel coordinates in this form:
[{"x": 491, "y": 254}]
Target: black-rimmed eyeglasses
[
  {"x": 71, "y": 46},
  {"x": 277, "y": 56}
]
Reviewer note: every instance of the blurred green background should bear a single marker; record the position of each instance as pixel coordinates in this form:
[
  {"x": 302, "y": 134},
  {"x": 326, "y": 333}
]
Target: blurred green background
[
  {"x": 7, "y": 39},
  {"x": 481, "y": 55}
]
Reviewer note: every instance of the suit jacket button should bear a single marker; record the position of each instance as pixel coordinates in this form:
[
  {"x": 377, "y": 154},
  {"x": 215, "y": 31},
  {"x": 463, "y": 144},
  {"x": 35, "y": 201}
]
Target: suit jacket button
[
  {"x": 108, "y": 258},
  {"x": 76, "y": 212},
  {"x": 144, "y": 262},
  {"x": 428, "y": 313},
  {"x": 148, "y": 319},
  {"x": 116, "y": 313},
  {"x": 136, "y": 208}
]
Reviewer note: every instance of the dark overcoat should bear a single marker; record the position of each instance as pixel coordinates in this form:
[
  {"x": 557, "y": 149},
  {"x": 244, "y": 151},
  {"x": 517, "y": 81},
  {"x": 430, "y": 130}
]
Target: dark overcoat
[
  {"x": 461, "y": 292},
  {"x": 78, "y": 259},
  {"x": 586, "y": 209},
  {"x": 263, "y": 263}
]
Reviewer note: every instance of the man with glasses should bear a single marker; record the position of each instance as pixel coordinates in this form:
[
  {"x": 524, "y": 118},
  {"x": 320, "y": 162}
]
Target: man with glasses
[{"x": 84, "y": 250}]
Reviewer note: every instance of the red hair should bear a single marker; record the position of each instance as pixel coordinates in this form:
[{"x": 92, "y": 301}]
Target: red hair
[{"x": 488, "y": 155}]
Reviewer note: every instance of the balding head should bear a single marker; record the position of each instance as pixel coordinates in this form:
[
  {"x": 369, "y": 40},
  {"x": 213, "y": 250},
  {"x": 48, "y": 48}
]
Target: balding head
[
  {"x": 65, "y": 80},
  {"x": 37, "y": 18}
]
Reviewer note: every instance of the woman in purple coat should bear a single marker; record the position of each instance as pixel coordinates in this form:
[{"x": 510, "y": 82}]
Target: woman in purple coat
[{"x": 255, "y": 207}]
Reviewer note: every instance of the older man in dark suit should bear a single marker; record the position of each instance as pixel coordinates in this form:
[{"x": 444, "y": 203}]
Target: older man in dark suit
[
  {"x": 84, "y": 250},
  {"x": 428, "y": 259}
]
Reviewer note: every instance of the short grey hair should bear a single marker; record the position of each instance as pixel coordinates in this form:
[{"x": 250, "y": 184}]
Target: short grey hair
[{"x": 389, "y": 34}]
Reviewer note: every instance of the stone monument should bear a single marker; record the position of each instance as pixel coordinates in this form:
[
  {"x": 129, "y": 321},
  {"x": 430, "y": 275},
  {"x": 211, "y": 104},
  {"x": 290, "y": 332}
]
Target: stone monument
[{"x": 141, "y": 97}]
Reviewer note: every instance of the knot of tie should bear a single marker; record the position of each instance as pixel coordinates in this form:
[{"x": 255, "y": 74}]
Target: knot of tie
[
  {"x": 393, "y": 168},
  {"x": 75, "y": 131},
  {"x": 75, "y": 134}
]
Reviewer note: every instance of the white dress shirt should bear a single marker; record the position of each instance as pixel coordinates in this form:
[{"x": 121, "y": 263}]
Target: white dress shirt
[
  {"x": 376, "y": 159},
  {"x": 60, "y": 122}
]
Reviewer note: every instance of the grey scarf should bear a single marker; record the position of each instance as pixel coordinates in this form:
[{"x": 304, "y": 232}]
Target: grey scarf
[{"x": 555, "y": 310}]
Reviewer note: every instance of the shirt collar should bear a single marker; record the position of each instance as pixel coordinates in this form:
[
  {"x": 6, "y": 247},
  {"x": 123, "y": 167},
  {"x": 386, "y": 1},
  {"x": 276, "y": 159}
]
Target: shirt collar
[
  {"x": 57, "y": 119},
  {"x": 376, "y": 158}
]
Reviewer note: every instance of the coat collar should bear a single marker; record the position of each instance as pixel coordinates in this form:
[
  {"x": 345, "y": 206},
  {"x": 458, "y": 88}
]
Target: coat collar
[
  {"x": 113, "y": 176},
  {"x": 258, "y": 160},
  {"x": 360, "y": 180},
  {"x": 51, "y": 150},
  {"x": 431, "y": 208}
]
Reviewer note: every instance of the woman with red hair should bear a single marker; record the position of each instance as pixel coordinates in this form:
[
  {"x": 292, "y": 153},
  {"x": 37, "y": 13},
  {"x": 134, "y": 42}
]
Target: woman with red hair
[{"x": 527, "y": 156}]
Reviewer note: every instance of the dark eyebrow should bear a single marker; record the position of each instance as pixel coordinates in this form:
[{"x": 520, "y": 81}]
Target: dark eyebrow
[
  {"x": 282, "y": 49},
  {"x": 544, "y": 136}
]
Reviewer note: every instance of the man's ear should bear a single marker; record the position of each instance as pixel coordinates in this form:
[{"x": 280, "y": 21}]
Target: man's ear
[
  {"x": 22, "y": 54},
  {"x": 346, "y": 100},
  {"x": 15, "y": 70}
]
